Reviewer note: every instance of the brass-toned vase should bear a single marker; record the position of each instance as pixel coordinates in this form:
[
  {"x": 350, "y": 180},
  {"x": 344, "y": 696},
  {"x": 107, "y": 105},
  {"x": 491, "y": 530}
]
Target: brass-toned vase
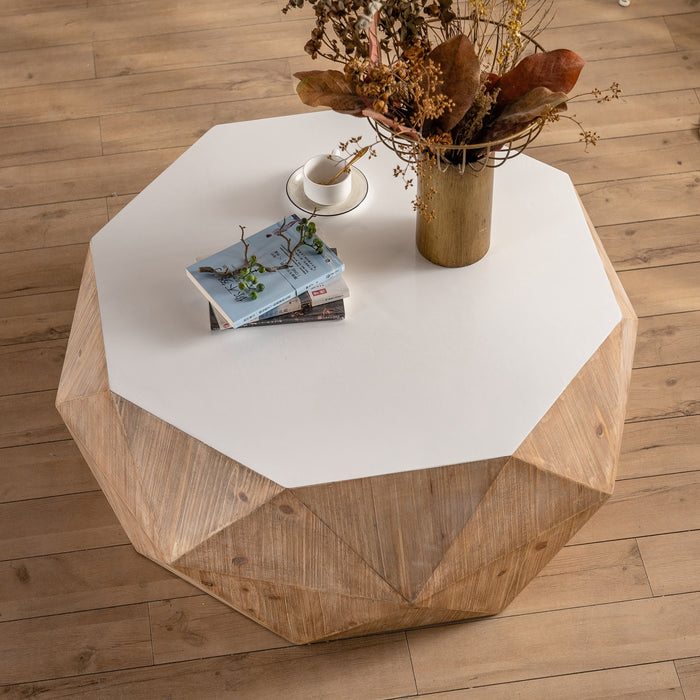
[{"x": 457, "y": 230}]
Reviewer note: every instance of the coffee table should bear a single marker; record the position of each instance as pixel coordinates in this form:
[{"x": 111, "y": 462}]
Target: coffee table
[{"x": 416, "y": 463}]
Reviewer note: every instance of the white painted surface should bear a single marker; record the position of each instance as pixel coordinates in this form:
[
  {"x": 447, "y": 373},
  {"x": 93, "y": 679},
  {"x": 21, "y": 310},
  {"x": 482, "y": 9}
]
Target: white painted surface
[{"x": 432, "y": 366}]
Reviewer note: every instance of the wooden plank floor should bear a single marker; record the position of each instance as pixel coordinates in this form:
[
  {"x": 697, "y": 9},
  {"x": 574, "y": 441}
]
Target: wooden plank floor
[{"x": 99, "y": 96}]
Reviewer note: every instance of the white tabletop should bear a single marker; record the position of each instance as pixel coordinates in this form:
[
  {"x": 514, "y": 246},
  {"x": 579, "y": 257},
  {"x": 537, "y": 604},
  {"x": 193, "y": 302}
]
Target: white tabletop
[{"x": 431, "y": 366}]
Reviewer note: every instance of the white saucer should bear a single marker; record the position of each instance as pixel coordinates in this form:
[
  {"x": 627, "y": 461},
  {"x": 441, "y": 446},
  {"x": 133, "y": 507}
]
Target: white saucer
[{"x": 295, "y": 192}]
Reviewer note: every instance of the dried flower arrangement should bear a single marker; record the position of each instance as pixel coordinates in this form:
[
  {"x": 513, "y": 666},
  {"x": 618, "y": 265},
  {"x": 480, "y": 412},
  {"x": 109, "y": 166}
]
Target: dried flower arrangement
[{"x": 456, "y": 78}]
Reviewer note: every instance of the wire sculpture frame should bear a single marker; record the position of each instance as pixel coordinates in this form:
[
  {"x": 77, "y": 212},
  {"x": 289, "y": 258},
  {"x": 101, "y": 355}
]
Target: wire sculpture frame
[{"x": 474, "y": 156}]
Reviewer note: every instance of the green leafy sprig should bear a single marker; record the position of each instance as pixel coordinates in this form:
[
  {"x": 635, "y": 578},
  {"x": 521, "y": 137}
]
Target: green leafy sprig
[{"x": 247, "y": 274}]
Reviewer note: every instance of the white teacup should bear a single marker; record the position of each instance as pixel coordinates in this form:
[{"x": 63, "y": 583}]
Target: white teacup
[{"x": 318, "y": 171}]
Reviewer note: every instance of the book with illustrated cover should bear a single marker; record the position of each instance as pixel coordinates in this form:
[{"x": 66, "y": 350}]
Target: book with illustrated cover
[
  {"x": 332, "y": 290},
  {"x": 332, "y": 311},
  {"x": 308, "y": 269}
]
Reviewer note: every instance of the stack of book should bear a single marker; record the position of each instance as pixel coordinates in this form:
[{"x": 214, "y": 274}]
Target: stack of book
[{"x": 309, "y": 288}]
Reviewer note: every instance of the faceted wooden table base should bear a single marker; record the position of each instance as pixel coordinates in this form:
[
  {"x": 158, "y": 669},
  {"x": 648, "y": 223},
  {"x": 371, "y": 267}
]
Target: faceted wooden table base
[{"x": 360, "y": 556}]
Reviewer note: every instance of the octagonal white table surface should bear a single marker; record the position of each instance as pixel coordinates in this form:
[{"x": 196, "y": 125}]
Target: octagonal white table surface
[{"x": 432, "y": 366}]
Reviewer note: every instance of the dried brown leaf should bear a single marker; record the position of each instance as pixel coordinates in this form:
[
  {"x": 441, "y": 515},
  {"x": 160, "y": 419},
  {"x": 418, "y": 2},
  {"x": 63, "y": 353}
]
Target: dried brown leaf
[
  {"x": 557, "y": 70},
  {"x": 329, "y": 88},
  {"x": 461, "y": 73},
  {"x": 523, "y": 111}
]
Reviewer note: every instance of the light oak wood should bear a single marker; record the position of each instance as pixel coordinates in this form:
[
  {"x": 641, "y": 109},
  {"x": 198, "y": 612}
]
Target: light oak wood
[
  {"x": 672, "y": 561},
  {"x": 42, "y": 270},
  {"x": 26, "y": 419},
  {"x": 108, "y": 639},
  {"x": 43, "y": 470},
  {"x": 654, "y": 154},
  {"x": 689, "y": 673},
  {"x": 83, "y": 580},
  {"x": 571, "y": 12},
  {"x": 54, "y": 141},
  {"x": 685, "y": 30},
  {"x": 664, "y": 392},
  {"x": 652, "y": 243},
  {"x": 46, "y": 65},
  {"x": 31, "y": 366},
  {"x": 614, "y": 39},
  {"x": 402, "y": 555},
  {"x": 84, "y": 178},
  {"x": 575, "y": 641},
  {"x": 664, "y": 290},
  {"x": 176, "y": 88},
  {"x": 646, "y": 113},
  {"x": 49, "y": 225},
  {"x": 196, "y": 626},
  {"x": 29, "y": 319},
  {"x": 649, "y": 682},
  {"x": 110, "y": 20},
  {"x": 642, "y": 199},
  {"x": 643, "y": 74},
  {"x": 165, "y": 128},
  {"x": 199, "y": 48},
  {"x": 656, "y": 447},
  {"x": 61, "y": 524},
  {"x": 668, "y": 339},
  {"x": 372, "y": 668},
  {"x": 668, "y": 504},
  {"x": 587, "y": 574},
  {"x": 163, "y": 110}
]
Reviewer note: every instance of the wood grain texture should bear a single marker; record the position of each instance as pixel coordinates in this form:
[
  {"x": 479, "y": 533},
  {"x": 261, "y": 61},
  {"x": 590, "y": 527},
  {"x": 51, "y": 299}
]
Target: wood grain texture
[
  {"x": 61, "y": 524},
  {"x": 402, "y": 525},
  {"x": 373, "y": 668},
  {"x": 665, "y": 392},
  {"x": 672, "y": 561},
  {"x": 649, "y": 682},
  {"x": 26, "y": 419},
  {"x": 49, "y": 225},
  {"x": 39, "y": 143},
  {"x": 652, "y": 448},
  {"x": 197, "y": 626},
  {"x": 207, "y": 47},
  {"x": 652, "y": 243},
  {"x": 36, "y": 317},
  {"x": 46, "y": 65},
  {"x": 361, "y": 557},
  {"x": 668, "y": 339},
  {"x": 646, "y": 506},
  {"x": 176, "y": 88},
  {"x": 647, "y": 113},
  {"x": 165, "y": 128},
  {"x": 497, "y": 650},
  {"x": 31, "y": 367},
  {"x": 41, "y": 271},
  {"x": 642, "y": 199},
  {"x": 689, "y": 674},
  {"x": 654, "y": 154},
  {"x": 83, "y": 580},
  {"x": 68, "y": 120},
  {"x": 43, "y": 470},
  {"x": 88, "y": 642},
  {"x": 83, "y": 178},
  {"x": 664, "y": 290},
  {"x": 588, "y": 574}
]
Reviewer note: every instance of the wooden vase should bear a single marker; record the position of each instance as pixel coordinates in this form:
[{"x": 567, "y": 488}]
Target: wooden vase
[{"x": 457, "y": 228}]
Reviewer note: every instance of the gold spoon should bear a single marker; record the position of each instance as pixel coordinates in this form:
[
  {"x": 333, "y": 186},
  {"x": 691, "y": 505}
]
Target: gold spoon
[{"x": 346, "y": 167}]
